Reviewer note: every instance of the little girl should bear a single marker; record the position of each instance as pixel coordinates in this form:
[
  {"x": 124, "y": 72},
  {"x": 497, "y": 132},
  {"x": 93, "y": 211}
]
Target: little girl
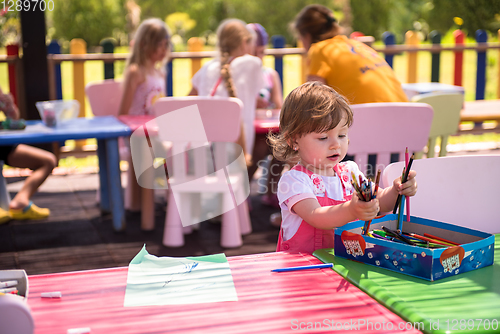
[
  {"x": 144, "y": 74},
  {"x": 144, "y": 83},
  {"x": 316, "y": 195},
  {"x": 234, "y": 73}
]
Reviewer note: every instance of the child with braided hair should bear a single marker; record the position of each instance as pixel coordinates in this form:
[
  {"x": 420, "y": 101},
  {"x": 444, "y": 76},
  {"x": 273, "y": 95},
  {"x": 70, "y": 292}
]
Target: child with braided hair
[{"x": 240, "y": 72}]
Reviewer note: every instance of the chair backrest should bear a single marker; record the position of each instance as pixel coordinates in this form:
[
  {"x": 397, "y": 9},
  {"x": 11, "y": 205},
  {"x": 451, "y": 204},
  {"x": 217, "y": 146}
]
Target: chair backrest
[
  {"x": 447, "y": 107},
  {"x": 191, "y": 122},
  {"x": 385, "y": 128},
  {"x": 104, "y": 97},
  {"x": 217, "y": 118},
  {"x": 460, "y": 190}
]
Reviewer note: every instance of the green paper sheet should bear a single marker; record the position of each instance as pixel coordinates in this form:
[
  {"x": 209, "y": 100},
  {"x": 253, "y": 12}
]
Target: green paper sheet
[
  {"x": 466, "y": 303},
  {"x": 155, "y": 280}
]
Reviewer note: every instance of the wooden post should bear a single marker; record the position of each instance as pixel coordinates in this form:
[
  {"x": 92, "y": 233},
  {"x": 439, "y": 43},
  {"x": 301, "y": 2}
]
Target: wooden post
[
  {"x": 498, "y": 83},
  {"x": 459, "y": 57},
  {"x": 481, "y": 37},
  {"x": 55, "y": 86},
  {"x": 411, "y": 39},
  {"x": 170, "y": 78},
  {"x": 389, "y": 39},
  {"x": 108, "y": 46},
  {"x": 13, "y": 50},
  {"x": 278, "y": 42},
  {"x": 303, "y": 62},
  {"x": 435, "y": 37},
  {"x": 195, "y": 44},
  {"x": 79, "y": 46}
]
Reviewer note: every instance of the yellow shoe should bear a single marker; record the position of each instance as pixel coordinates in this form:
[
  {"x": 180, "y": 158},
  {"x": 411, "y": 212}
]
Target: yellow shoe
[
  {"x": 30, "y": 212},
  {"x": 5, "y": 216}
]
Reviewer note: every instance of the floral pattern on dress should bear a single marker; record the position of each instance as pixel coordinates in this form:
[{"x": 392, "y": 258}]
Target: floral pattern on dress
[
  {"x": 318, "y": 184},
  {"x": 345, "y": 177}
]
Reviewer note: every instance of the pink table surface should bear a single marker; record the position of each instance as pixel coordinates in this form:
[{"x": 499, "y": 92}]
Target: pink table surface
[
  {"x": 267, "y": 302},
  {"x": 135, "y": 121},
  {"x": 266, "y": 120}
]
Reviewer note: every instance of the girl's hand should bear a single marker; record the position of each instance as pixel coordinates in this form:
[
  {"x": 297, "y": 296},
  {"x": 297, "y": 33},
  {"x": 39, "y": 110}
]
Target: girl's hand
[
  {"x": 409, "y": 188},
  {"x": 364, "y": 210}
]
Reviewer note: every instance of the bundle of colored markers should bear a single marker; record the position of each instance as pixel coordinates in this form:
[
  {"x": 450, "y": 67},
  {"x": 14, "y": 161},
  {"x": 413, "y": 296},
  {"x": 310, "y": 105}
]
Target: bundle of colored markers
[
  {"x": 413, "y": 239},
  {"x": 364, "y": 192},
  {"x": 9, "y": 287}
]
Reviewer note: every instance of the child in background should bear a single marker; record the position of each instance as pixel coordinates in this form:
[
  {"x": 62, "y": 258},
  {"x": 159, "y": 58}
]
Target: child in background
[
  {"x": 144, "y": 72},
  {"x": 241, "y": 75},
  {"x": 270, "y": 97},
  {"x": 316, "y": 195},
  {"x": 39, "y": 161},
  {"x": 144, "y": 83}
]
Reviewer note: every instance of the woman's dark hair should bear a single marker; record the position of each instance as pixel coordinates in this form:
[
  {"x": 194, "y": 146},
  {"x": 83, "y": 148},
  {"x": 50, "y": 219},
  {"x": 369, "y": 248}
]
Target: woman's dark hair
[{"x": 318, "y": 21}]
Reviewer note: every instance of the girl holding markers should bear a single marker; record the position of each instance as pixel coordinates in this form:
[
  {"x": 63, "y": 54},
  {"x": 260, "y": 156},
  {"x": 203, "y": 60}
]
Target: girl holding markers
[{"x": 316, "y": 195}]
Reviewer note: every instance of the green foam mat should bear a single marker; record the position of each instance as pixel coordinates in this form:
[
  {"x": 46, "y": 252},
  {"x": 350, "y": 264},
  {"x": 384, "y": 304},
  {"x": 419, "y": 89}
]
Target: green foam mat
[{"x": 466, "y": 303}]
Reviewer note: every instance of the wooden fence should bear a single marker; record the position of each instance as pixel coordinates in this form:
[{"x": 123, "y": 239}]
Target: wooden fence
[{"x": 412, "y": 47}]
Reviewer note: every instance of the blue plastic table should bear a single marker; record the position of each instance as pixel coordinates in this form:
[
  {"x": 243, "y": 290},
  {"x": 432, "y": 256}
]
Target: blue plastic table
[{"x": 106, "y": 130}]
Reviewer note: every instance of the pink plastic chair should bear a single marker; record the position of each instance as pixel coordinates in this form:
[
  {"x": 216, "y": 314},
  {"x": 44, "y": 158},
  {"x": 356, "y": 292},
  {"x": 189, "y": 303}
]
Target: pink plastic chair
[
  {"x": 460, "y": 190},
  {"x": 104, "y": 98},
  {"x": 385, "y": 128},
  {"x": 189, "y": 123}
]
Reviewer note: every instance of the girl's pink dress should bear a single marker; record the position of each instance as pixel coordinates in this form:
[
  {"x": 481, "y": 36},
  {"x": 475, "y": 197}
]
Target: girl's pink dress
[{"x": 307, "y": 239}]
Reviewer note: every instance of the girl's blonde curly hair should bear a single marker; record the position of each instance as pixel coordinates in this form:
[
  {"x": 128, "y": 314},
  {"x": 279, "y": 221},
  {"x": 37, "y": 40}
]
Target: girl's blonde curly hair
[{"x": 311, "y": 107}]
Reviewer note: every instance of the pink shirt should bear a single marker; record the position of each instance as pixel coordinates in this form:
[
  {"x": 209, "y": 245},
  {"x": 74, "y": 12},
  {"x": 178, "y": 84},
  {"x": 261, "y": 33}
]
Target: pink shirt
[
  {"x": 296, "y": 235},
  {"x": 146, "y": 95}
]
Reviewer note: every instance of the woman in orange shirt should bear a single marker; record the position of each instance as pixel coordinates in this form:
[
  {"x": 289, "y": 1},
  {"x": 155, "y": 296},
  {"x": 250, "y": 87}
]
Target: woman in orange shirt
[{"x": 352, "y": 68}]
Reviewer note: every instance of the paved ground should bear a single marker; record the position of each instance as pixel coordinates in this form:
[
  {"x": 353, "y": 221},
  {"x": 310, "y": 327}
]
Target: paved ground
[{"x": 78, "y": 237}]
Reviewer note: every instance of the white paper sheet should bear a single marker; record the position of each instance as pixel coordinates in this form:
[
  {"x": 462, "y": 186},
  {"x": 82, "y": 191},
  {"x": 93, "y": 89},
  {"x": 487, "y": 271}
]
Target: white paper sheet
[{"x": 155, "y": 280}]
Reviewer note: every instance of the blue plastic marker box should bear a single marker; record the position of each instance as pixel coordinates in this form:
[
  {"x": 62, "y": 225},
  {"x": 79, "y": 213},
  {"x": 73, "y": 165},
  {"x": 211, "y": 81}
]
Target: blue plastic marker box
[{"x": 475, "y": 250}]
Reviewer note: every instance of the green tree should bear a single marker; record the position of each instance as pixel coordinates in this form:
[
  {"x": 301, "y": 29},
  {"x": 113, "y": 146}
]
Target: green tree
[
  {"x": 476, "y": 14},
  {"x": 91, "y": 20}
]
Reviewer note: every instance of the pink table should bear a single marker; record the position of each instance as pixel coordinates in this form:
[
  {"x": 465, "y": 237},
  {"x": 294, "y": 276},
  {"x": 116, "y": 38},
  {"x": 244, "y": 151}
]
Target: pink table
[
  {"x": 267, "y": 302},
  {"x": 265, "y": 120}
]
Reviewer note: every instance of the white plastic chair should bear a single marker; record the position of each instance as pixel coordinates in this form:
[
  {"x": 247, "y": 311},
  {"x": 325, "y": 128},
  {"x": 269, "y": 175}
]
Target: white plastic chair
[
  {"x": 104, "y": 98},
  {"x": 385, "y": 128},
  {"x": 447, "y": 107},
  {"x": 460, "y": 190},
  {"x": 191, "y": 123}
]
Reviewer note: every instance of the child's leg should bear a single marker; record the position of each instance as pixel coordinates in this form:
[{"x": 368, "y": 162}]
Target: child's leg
[
  {"x": 40, "y": 162},
  {"x": 133, "y": 190}
]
